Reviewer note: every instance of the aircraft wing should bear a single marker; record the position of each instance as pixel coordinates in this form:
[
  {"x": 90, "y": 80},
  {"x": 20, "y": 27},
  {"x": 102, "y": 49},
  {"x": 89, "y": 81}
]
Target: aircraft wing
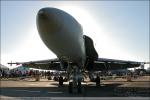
[
  {"x": 114, "y": 64},
  {"x": 49, "y": 64},
  {"x": 99, "y": 65}
]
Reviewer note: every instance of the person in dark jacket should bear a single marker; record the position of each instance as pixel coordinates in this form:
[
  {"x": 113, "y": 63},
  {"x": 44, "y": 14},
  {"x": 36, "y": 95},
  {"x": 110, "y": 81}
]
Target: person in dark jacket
[
  {"x": 97, "y": 81},
  {"x": 61, "y": 80}
]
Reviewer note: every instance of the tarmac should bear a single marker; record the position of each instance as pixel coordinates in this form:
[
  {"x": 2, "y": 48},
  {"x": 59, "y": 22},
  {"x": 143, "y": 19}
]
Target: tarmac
[{"x": 117, "y": 87}]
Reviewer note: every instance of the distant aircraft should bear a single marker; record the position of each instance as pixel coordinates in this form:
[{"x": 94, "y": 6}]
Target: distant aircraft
[{"x": 63, "y": 35}]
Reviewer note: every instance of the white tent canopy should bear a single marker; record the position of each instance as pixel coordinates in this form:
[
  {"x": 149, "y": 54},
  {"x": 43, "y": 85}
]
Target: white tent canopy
[{"x": 3, "y": 67}]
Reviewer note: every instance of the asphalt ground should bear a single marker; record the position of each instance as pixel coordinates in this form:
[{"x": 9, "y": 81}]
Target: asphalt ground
[{"x": 25, "y": 88}]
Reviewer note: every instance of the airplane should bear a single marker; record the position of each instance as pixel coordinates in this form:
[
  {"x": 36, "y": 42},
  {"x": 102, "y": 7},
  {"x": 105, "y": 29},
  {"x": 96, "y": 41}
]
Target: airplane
[{"x": 75, "y": 52}]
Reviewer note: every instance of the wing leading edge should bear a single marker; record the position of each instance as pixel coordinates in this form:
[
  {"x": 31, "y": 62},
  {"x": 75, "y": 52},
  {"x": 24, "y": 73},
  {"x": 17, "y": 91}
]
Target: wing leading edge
[
  {"x": 99, "y": 65},
  {"x": 49, "y": 64}
]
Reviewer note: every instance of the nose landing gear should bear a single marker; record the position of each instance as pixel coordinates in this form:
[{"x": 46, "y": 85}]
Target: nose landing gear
[
  {"x": 78, "y": 87},
  {"x": 75, "y": 80}
]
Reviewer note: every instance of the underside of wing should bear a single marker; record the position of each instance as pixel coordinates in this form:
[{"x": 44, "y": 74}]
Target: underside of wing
[{"x": 114, "y": 64}]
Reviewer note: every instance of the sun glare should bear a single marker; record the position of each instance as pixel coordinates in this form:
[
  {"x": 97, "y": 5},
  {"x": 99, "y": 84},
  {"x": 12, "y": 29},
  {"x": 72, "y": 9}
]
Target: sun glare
[{"x": 104, "y": 44}]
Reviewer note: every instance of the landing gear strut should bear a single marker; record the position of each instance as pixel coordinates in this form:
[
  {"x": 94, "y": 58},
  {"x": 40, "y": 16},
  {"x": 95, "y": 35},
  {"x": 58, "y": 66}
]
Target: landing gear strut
[{"x": 76, "y": 77}]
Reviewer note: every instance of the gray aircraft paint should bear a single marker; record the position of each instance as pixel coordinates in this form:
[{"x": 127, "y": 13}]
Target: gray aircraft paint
[{"x": 62, "y": 34}]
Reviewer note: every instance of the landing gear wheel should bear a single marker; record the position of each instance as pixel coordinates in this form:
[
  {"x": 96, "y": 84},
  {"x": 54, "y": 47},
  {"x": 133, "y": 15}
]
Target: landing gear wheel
[
  {"x": 79, "y": 87},
  {"x": 70, "y": 87}
]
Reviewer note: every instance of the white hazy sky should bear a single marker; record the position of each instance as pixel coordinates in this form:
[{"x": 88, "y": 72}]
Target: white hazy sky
[{"x": 119, "y": 29}]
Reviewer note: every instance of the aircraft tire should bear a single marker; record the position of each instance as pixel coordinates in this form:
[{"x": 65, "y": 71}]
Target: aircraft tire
[
  {"x": 79, "y": 87},
  {"x": 70, "y": 87}
]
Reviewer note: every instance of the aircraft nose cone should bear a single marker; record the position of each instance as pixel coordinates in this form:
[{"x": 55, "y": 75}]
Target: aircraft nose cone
[
  {"x": 41, "y": 12},
  {"x": 42, "y": 15},
  {"x": 48, "y": 20}
]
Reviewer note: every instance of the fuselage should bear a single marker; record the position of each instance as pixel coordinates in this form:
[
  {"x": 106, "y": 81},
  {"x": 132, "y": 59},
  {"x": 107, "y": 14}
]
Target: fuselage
[{"x": 62, "y": 34}]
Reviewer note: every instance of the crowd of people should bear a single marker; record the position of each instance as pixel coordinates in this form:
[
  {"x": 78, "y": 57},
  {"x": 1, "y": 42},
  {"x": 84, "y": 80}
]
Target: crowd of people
[
  {"x": 7, "y": 73},
  {"x": 15, "y": 73}
]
